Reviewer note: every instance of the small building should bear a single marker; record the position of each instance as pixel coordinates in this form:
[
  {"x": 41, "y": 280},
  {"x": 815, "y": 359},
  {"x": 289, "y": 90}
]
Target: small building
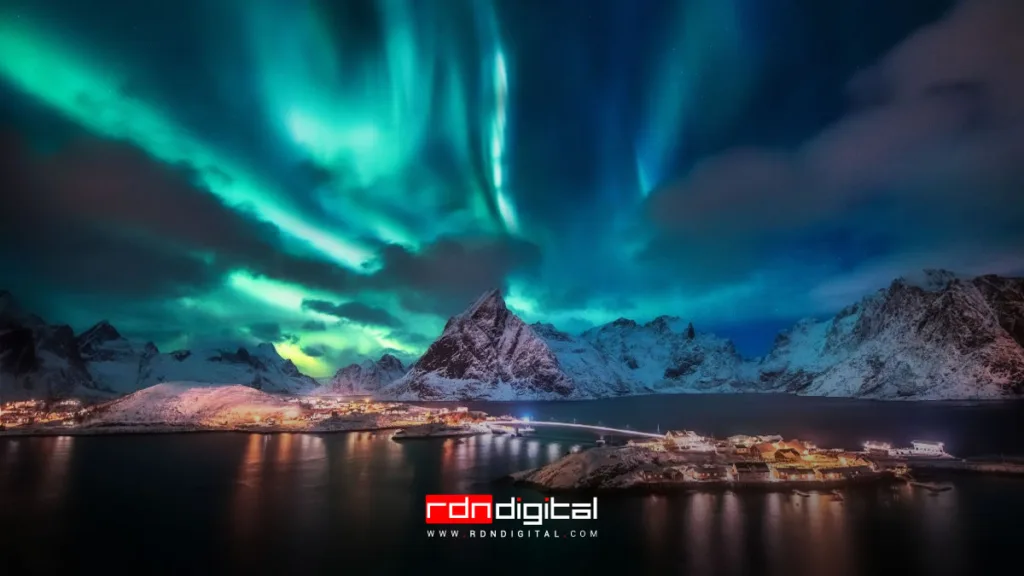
[
  {"x": 878, "y": 448},
  {"x": 787, "y": 454},
  {"x": 927, "y": 448},
  {"x": 688, "y": 440},
  {"x": 796, "y": 474},
  {"x": 707, "y": 472},
  {"x": 742, "y": 440},
  {"x": 751, "y": 472},
  {"x": 845, "y": 472},
  {"x": 795, "y": 445},
  {"x": 766, "y": 451}
]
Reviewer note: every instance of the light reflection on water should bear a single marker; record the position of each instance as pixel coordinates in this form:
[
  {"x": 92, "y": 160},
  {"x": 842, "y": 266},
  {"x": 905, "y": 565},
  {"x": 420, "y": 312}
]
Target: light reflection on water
[
  {"x": 362, "y": 493},
  {"x": 732, "y": 529}
]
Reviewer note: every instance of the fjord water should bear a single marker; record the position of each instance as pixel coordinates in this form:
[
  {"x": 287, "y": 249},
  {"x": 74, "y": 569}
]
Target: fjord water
[{"x": 228, "y": 503}]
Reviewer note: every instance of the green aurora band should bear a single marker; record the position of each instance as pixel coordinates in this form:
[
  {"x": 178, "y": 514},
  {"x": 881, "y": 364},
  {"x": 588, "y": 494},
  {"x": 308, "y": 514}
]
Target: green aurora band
[{"x": 369, "y": 137}]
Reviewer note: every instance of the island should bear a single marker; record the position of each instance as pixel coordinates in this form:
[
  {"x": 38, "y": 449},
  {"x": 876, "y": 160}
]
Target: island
[
  {"x": 440, "y": 430},
  {"x": 685, "y": 460}
]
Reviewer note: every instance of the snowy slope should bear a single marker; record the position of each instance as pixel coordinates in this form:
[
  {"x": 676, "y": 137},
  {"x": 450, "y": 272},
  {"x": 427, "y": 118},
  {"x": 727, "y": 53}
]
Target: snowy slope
[
  {"x": 193, "y": 404},
  {"x": 661, "y": 356},
  {"x": 364, "y": 378},
  {"x": 486, "y": 352},
  {"x": 936, "y": 337},
  {"x": 263, "y": 369},
  {"x": 594, "y": 373},
  {"x": 113, "y": 362},
  {"x": 38, "y": 360}
]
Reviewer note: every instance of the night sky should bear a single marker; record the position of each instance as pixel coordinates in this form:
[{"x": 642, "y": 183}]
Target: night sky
[{"x": 340, "y": 177}]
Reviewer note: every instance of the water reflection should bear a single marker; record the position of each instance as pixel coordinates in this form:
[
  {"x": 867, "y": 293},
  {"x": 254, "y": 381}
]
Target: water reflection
[
  {"x": 8, "y": 460},
  {"x": 554, "y": 451},
  {"x": 335, "y": 497},
  {"x": 773, "y": 529},
  {"x": 532, "y": 453},
  {"x": 732, "y": 525},
  {"x": 938, "y": 529},
  {"x": 58, "y": 456},
  {"x": 655, "y": 522},
  {"x": 284, "y": 448},
  {"x": 697, "y": 524},
  {"x": 245, "y": 509}
]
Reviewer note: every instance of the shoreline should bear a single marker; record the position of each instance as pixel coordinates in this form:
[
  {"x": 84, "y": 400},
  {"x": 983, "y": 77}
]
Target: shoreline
[
  {"x": 668, "y": 488},
  {"x": 167, "y": 430}
]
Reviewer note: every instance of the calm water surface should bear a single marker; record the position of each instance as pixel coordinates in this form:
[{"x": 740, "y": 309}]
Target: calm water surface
[{"x": 337, "y": 503}]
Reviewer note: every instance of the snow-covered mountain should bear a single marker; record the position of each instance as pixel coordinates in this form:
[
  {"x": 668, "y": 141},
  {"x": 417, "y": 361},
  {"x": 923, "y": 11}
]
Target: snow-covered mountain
[
  {"x": 668, "y": 355},
  {"x": 364, "y": 378},
  {"x": 939, "y": 337},
  {"x": 486, "y": 352},
  {"x": 933, "y": 337},
  {"x": 39, "y": 360},
  {"x": 262, "y": 368},
  {"x": 114, "y": 363}
]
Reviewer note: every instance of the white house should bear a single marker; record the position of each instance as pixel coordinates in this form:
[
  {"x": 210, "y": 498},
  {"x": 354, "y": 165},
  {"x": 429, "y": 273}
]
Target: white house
[
  {"x": 687, "y": 440},
  {"x": 928, "y": 448}
]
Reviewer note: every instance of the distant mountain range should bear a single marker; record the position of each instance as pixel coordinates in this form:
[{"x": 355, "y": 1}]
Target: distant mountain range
[
  {"x": 45, "y": 360},
  {"x": 944, "y": 337},
  {"x": 941, "y": 338}
]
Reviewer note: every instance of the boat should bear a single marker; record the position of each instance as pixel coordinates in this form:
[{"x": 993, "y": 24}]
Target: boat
[
  {"x": 601, "y": 442},
  {"x": 524, "y": 431},
  {"x": 837, "y": 496},
  {"x": 801, "y": 493}
]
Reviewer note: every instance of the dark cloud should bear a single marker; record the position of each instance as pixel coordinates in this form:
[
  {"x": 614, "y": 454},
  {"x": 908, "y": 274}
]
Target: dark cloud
[
  {"x": 449, "y": 274},
  {"x": 314, "y": 326},
  {"x": 45, "y": 234},
  {"x": 935, "y": 148},
  {"x": 414, "y": 339},
  {"x": 316, "y": 350},
  {"x": 271, "y": 332},
  {"x": 355, "y": 311},
  {"x": 102, "y": 216}
]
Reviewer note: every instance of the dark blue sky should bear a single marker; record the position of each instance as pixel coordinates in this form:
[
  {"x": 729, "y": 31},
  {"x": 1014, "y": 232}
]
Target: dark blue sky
[{"x": 339, "y": 177}]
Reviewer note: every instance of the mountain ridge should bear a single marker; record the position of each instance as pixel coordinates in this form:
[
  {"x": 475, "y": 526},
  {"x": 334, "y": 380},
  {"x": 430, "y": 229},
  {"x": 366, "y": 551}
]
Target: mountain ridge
[
  {"x": 40, "y": 360},
  {"x": 932, "y": 336},
  {"x": 928, "y": 337}
]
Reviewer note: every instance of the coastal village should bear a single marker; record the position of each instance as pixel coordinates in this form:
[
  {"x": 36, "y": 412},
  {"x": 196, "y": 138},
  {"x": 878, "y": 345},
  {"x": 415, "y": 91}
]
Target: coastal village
[
  {"x": 676, "y": 457},
  {"x": 292, "y": 414},
  {"x": 685, "y": 459},
  {"x": 770, "y": 458}
]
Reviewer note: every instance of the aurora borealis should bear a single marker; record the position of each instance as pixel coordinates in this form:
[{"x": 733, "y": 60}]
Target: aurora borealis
[{"x": 340, "y": 177}]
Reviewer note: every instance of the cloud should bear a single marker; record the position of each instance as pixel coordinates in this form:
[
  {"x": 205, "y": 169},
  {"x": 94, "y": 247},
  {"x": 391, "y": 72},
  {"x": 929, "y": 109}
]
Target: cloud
[
  {"x": 355, "y": 311},
  {"x": 271, "y": 332},
  {"x": 102, "y": 216},
  {"x": 931, "y": 160},
  {"x": 314, "y": 326},
  {"x": 316, "y": 350},
  {"x": 447, "y": 275}
]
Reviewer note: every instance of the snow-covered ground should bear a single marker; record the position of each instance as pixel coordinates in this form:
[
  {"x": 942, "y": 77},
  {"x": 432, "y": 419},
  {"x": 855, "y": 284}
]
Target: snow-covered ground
[{"x": 191, "y": 404}]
